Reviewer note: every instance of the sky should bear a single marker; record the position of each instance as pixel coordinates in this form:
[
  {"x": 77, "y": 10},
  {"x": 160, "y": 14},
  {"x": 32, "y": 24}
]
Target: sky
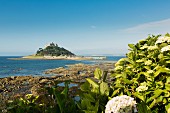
[{"x": 85, "y": 27}]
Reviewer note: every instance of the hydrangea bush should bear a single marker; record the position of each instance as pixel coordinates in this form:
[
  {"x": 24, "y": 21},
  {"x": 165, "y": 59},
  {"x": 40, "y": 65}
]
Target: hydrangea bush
[{"x": 145, "y": 73}]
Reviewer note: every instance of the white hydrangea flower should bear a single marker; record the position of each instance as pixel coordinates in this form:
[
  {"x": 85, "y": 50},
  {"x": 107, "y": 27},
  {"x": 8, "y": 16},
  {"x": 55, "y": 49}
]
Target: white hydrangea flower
[
  {"x": 167, "y": 38},
  {"x": 121, "y": 104},
  {"x": 149, "y": 62},
  {"x": 152, "y": 47},
  {"x": 142, "y": 87},
  {"x": 162, "y": 39},
  {"x": 166, "y": 48}
]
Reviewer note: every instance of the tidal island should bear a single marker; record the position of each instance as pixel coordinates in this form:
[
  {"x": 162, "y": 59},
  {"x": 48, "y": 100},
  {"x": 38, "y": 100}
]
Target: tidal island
[{"x": 53, "y": 52}]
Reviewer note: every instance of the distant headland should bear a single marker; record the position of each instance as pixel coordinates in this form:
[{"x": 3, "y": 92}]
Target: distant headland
[{"x": 53, "y": 52}]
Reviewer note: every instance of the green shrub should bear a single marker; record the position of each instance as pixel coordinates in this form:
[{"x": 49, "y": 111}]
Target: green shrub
[
  {"x": 145, "y": 73},
  {"x": 94, "y": 95}
]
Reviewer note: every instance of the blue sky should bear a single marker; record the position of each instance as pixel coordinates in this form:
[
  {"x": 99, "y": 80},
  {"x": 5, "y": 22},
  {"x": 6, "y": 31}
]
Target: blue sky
[{"x": 90, "y": 27}]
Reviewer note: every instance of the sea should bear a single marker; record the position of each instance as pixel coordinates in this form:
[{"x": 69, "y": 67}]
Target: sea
[{"x": 9, "y": 67}]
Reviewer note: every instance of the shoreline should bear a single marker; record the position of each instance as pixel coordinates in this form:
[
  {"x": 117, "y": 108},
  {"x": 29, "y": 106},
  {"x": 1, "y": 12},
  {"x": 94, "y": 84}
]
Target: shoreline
[{"x": 32, "y": 57}]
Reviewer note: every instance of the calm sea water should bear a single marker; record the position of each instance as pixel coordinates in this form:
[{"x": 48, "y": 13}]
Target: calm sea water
[{"x": 36, "y": 67}]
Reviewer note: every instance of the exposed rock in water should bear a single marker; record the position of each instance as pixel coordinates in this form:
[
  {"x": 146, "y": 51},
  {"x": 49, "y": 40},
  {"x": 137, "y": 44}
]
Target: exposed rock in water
[{"x": 79, "y": 71}]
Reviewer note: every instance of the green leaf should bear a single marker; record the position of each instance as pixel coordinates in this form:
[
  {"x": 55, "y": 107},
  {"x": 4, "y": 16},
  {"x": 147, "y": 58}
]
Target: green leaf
[
  {"x": 167, "y": 34},
  {"x": 85, "y": 86},
  {"x": 60, "y": 102},
  {"x": 92, "y": 108},
  {"x": 152, "y": 104},
  {"x": 104, "y": 75},
  {"x": 104, "y": 88},
  {"x": 132, "y": 46},
  {"x": 96, "y": 106},
  {"x": 142, "y": 42},
  {"x": 143, "y": 108},
  {"x": 98, "y": 73},
  {"x": 168, "y": 80},
  {"x": 119, "y": 86},
  {"x": 157, "y": 93},
  {"x": 115, "y": 92},
  {"x": 140, "y": 60},
  {"x": 167, "y": 86},
  {"x": 165, "y": 101},
  {"x": 79, "y": 105},
  {"x": 161, "y": 70},
  {"x": 93, "y": 83},
  {"x": 147, "y": 67},
  {"x": 159, "y": 99},
  {"x": 87, "y": 111},
  {"x": 65, "y": 91},
  {"x": 138, "y": 95},
  {"x": 168, "y": 108},
  {"x": 89, "y": 97},
  {"x": 168, "y": 62},
  {"x": 127, "y": 81},
  {"x": 84, "y": 104},
  {"x": 118, "y": 75}
]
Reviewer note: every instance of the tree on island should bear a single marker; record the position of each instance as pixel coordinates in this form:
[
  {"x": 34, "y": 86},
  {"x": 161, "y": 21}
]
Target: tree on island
[{"x": 54, "y": 50}]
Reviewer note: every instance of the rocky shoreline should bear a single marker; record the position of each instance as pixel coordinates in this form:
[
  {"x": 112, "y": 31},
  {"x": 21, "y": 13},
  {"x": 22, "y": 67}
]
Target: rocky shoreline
[
  {"x": 34, "y": 57},
  {"x": 18, "y": 86}
]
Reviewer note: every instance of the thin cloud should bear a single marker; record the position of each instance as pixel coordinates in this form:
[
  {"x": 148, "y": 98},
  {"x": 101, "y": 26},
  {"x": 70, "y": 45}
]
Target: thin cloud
[
  {"x": 93, "y": 27},
  {"x": 156, "y": 27}
]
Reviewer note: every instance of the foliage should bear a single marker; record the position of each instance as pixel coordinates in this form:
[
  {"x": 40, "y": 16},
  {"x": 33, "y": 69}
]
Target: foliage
[
  {"x": 24, "y": 105},
  {"x": 145, "y": 73},
  {"x": 94, "y": 95},
  {"x": 53, "y": 50},
  {"x": 63, "y": 102},
  {"x": 58, "y": 102}
]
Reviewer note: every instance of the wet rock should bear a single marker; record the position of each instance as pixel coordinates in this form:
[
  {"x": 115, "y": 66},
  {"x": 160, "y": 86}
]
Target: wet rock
[
  {"x": 13, "y": 77},
  {"x": 75, "y": 71},
  {"x": 36, "y": 90},
  {"x": 54, "y": 77},
  {"x": 25, "y": 83},
  {"x": 43, "y": 81}
]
